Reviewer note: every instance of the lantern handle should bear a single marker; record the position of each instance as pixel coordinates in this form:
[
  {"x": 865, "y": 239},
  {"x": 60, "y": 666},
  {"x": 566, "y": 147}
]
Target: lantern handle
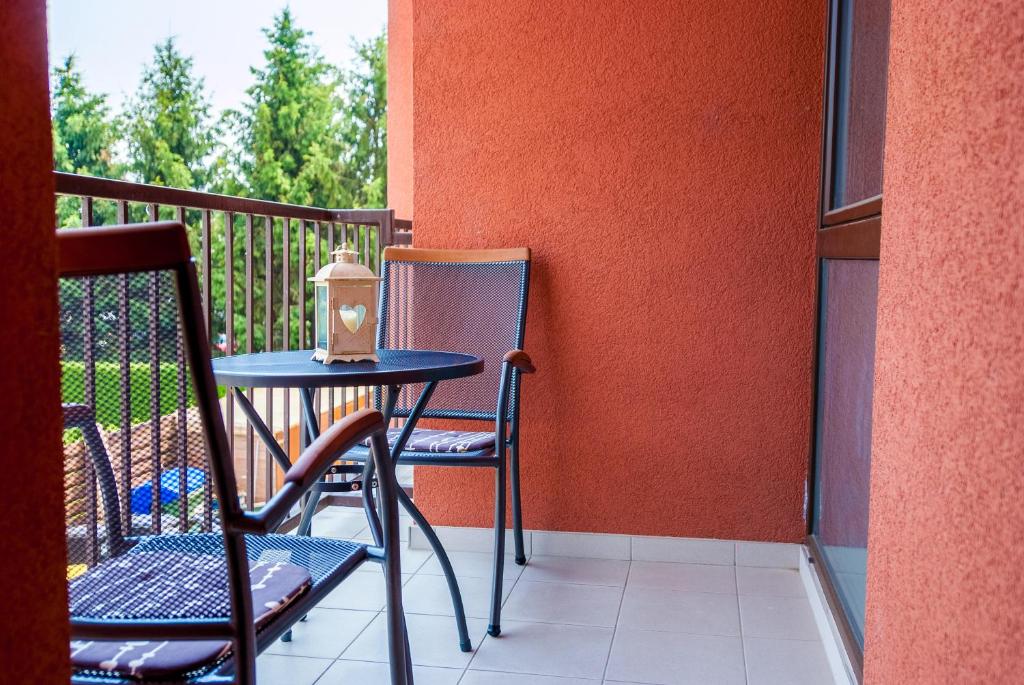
[{"x": 345, "y": 255}]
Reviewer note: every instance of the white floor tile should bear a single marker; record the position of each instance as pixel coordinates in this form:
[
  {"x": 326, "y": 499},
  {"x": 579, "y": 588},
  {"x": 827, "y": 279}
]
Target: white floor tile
[
  {"x": 685, "y": 577},
  {"x": 788, "y": 618},
  {"x": 589, "y": 605},
  {"x": 675, "y": 658},
  {"x": 412, "y": 560},
  {"x": 769, "y": 554},
  {"x": 699, "y": 613},
  {"x": 434, "y": 641},
  {"x": 786, "y": 662},
  {"x": 325, "y": 633},
  {"x": 546, "y": 649},
  {"x": 345, "y": 672},
  {"x": 293, "y": 670},
  {"x": 780, "y": 582},
  {"x": 586, "y": 545},
  {"x": 345, "y": 523},
  {"x": 426, "y": 594},
  {"x": 360, "y": 591},
  {"x": 495, "y": 678},
  {"x": 611, "y": 572},
  {"x": 458, "y": 539},
  {"x": 684, "y": 550},
  {"x": 472, "y": 565}
]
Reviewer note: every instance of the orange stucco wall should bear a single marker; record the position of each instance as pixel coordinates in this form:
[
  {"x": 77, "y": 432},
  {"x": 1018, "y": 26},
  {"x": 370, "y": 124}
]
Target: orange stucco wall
[
  {"x": 400, "y": 128},
  {"x": 661, "y": 159},
  {"x": 33, "y": 627},
  {"x": 945, "y": 562}
]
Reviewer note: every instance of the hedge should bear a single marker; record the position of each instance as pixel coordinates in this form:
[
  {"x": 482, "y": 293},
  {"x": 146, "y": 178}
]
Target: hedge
[{"x": 108, "y": 389}]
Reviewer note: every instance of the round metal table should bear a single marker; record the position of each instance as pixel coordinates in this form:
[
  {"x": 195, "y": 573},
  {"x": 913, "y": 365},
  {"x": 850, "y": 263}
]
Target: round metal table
[{"x": 296, "y": 369}]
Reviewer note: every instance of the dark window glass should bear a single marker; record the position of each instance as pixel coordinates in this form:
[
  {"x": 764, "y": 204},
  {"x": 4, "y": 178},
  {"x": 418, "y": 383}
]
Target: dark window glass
[
  {"x": 849, "y": 300},
  {"x": 862, "y": 53}
]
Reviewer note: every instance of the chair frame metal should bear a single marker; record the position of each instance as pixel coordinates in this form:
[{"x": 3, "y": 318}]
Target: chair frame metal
[
  {"x": 506, "y": 416},
  {"x": 163, "y": 246}
]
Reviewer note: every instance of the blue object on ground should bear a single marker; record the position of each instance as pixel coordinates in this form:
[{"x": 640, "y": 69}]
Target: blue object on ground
[{"x": 142, "y": 495}]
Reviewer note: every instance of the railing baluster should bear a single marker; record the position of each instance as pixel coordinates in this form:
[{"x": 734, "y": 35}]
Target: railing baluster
[
  {"x": 331, "y": 399},
  {"x": 124, "y": 370},
  {"x": 229, "y": 321},
  {"x": 250, "y": 444},
  {"x": 155, "y": 396},
  {"x": 302, "y": 310},
  {"x": 207, "y": 282},
  {"x": 286, "y": 324},
  {"x": 268, "y": 342},
  {"x": 318, "y": 393},
  {"x": 89, "y": 392}
]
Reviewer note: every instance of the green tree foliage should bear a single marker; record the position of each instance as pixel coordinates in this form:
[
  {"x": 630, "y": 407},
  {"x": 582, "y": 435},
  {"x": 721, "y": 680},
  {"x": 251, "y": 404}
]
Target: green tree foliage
[
  {"x": 365, "y": 127},
  {"x": 309, "y": 133},
  {"x": 83, "y": 130},
  {"x": 168, "y": 123},
  {"x": 84, "y": 134},
  {"x": 290, "y": 144}
]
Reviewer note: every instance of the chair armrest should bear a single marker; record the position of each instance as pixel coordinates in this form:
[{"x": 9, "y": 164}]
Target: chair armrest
[
  {"x": 520, "y": 360},
  {"x": 311, "y": 466}
]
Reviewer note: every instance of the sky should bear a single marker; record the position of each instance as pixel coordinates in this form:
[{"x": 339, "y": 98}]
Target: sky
[{"x": 114, "y": 39}]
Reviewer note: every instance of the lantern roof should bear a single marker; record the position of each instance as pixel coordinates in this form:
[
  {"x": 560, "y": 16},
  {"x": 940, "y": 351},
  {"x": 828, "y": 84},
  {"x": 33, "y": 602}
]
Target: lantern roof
[{"x": 344, "y": 267}]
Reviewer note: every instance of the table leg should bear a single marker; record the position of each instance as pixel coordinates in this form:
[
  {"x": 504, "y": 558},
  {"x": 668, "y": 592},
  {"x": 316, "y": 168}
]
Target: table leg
[
  {"x": 421, "y": 521},
  {"x": 311, "y": 433}
]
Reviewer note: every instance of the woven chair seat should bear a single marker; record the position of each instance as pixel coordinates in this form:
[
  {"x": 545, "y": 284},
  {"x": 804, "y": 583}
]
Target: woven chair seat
[{"x": 180, "y": 577}]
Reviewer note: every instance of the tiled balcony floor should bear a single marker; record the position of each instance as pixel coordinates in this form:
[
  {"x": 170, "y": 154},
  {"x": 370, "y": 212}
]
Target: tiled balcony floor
[{"x": 565, "y": 621}]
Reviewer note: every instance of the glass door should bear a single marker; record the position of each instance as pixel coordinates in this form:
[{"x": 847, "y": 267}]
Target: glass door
[{"x": 848, "y": 251}]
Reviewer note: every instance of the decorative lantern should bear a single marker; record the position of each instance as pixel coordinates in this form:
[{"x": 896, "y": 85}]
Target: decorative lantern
[{"x": 346, "y": 310}]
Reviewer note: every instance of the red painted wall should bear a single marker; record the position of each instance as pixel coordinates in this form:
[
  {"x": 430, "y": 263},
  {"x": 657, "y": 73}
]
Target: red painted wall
[
  {"x": 946, "y": 565},
  {"x": 661, "y": 159},
  {"x": 400, "y": 146},
  {"x": 33, "y": 628}
]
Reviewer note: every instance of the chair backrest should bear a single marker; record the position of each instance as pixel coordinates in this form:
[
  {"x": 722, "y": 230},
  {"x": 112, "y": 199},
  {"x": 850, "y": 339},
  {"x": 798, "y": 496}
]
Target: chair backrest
[
  {"x": 145, "y": 447},
  {"x": 470, "y": 301}
]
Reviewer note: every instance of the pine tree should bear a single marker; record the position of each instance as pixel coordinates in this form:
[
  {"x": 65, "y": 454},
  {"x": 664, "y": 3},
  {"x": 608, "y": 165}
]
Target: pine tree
[
  {"x": 168, "y": 123},
  {"x": 84, "y": 135},
  {"x": 366, "y": 123},
  {"x": 83, "y": 131},
  {"x": 290, "y": 133}
]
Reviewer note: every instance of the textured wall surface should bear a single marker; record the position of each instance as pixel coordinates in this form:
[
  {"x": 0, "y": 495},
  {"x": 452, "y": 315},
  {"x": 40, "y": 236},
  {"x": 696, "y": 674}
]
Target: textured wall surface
[
  {"x": 33, "y": 631},
  {"x": 946, "y": 565},
  {"x": 400, "y": 146},
  {"x": 661, "y": 159}
]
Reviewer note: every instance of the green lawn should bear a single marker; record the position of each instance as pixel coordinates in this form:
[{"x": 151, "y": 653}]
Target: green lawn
[{"x": 109, "y": 388}]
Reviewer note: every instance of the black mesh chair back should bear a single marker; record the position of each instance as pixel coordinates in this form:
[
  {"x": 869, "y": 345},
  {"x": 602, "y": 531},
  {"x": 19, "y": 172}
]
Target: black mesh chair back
[
  {"x": 143, "y": 464},
  {"x": 169, "y": 580},
  {"x": 471, "y": 301}
]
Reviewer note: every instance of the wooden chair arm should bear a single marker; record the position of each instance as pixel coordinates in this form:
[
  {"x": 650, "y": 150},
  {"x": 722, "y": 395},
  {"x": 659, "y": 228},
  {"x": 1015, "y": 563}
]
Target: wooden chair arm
[{"x": 520, "y": 360}]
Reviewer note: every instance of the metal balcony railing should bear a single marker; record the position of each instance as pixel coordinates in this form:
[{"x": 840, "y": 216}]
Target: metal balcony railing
[{"x": 253, "y": 259}]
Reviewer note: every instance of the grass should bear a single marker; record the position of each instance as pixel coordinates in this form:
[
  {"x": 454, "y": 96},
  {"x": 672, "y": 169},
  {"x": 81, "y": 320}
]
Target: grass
[{"x": 109, "y": 389}]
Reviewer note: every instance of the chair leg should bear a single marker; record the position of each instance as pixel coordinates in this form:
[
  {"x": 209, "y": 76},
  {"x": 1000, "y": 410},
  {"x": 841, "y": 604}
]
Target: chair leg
[
  {"x": 306, "y": 520},
  {"x": 399, "y": 657},
  {"x": 494, "y": 628},
  {"x": 517, "y": 505}
]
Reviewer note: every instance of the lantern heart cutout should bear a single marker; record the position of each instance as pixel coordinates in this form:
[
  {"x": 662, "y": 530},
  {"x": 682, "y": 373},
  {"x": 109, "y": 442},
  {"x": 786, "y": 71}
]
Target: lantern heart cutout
[{"x": 352, "y": 317}]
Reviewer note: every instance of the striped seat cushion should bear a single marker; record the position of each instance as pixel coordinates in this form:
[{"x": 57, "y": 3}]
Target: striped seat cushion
[
  {"x": 442, "y": 442},
  {"x": 170, "y": 585}
]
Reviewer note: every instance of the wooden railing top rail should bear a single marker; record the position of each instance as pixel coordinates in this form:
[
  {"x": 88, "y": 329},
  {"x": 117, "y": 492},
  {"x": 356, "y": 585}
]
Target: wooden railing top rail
[{"x": 109, "y": 189}]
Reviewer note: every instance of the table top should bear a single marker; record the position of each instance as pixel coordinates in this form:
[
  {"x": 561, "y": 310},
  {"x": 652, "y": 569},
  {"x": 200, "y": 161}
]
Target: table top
[{"x": 296, "y": 369}]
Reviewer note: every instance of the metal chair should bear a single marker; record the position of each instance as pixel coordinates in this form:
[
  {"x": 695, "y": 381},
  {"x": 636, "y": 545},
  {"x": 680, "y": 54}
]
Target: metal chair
[
  {"x": 471, "y": 301},
  {"x": 170, "y": 579}
]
